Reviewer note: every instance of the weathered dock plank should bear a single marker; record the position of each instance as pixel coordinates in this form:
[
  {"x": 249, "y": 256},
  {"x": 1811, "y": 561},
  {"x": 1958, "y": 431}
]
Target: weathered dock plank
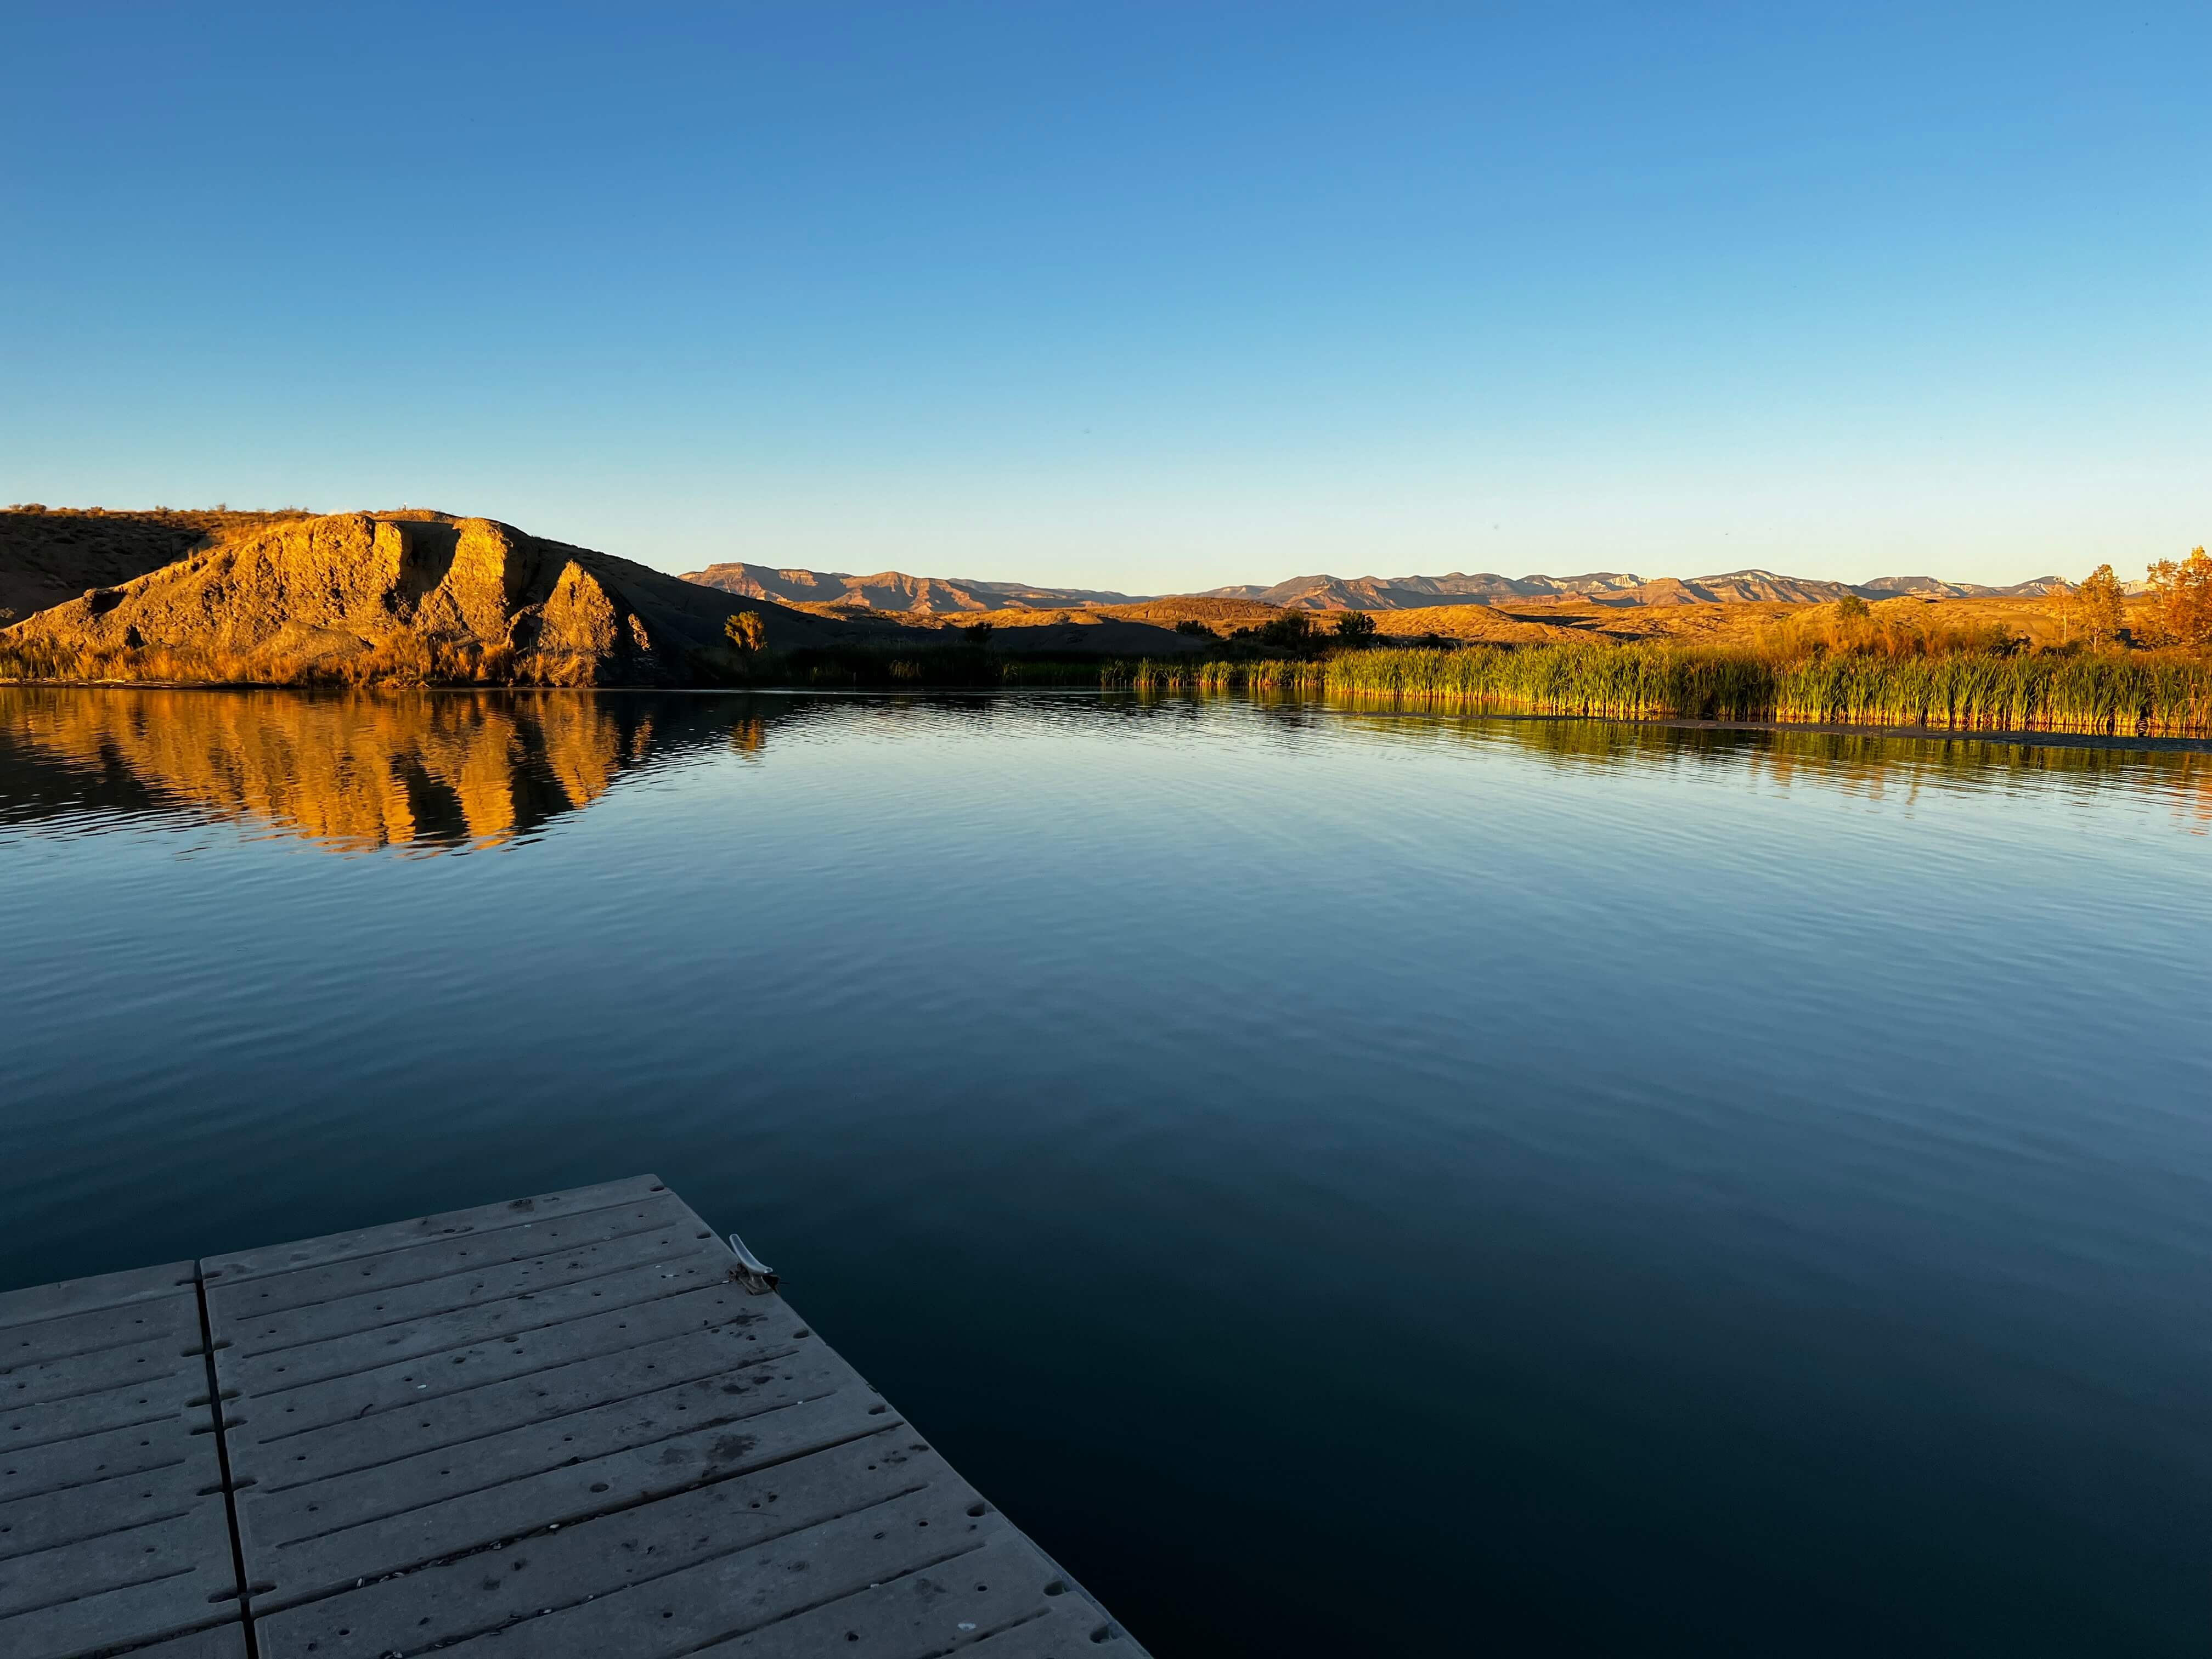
[
  {"x": 561, "y": 1427},
  {"x": 226, "y": 1643},
  {"x": 368, "y": 1243},
  {"x": 113, "y": 1530}
]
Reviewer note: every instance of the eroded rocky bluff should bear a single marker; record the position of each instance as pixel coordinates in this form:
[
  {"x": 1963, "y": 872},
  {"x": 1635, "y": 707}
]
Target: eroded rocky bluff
[{"x": 369, "y": 596}]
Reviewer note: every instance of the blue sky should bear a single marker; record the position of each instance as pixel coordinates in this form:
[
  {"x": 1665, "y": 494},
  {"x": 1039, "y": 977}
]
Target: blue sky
[{"x": 1152, "y": 298}]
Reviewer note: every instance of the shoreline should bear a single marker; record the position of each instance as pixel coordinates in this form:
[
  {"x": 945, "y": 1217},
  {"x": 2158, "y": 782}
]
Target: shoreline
[{"x": 2024, "y": 738}]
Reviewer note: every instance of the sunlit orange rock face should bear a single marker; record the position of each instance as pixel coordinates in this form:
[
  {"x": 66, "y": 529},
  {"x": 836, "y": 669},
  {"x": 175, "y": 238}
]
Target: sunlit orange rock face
[
  {"x": 395, "y": 598},
  {"x": 422, "y": 770}
]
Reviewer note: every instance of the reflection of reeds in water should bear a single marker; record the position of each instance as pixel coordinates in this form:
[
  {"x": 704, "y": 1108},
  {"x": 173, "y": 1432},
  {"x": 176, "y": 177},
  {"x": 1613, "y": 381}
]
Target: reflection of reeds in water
[
  {"x": 425, "y": 771},
  {"x": 1863, "y": 764},
  {"x": 2094, "y": 694}
]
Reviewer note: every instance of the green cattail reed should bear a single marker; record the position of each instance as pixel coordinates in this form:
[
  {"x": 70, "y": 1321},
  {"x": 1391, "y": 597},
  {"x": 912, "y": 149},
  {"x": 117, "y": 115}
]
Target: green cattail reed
[{"x": 2107, "y": 695}]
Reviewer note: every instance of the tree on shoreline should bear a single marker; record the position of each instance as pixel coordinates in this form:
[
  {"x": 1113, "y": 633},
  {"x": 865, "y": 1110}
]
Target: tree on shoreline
[
  {"x": 745, "y": 631},
  {"x": 2096, "y": 607},
  {"x": 2181, "y": 597}
]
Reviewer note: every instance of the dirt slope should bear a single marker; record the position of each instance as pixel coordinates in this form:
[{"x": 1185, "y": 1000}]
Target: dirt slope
[{"x": 48, "y": 556}]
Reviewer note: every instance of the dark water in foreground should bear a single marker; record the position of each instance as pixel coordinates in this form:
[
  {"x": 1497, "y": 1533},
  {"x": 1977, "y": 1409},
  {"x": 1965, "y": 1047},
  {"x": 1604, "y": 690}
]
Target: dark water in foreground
[{"x": 1346, "y": 1184}]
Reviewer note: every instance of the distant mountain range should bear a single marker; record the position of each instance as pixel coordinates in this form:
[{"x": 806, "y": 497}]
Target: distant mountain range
[
  {"x": 1883, "y": 586},
  {"x": 1602, "y": 587},
  {"x": 895, "y": 591}
]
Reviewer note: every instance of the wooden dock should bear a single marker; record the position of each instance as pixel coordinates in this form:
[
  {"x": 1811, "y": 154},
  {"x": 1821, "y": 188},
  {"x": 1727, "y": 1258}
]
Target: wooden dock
[{"x": 573, "y": 1426}]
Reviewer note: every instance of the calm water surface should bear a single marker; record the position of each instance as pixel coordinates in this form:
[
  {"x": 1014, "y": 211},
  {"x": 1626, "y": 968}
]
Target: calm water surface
[{"x": 1346, "y": 1184}]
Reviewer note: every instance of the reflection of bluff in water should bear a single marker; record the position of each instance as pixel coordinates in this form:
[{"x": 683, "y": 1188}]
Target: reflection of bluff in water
[{"x": 428, "y": 770}]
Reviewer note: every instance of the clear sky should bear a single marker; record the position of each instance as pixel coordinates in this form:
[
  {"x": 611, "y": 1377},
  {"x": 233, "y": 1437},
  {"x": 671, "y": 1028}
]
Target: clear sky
[{"x": 1152, "y": 298}]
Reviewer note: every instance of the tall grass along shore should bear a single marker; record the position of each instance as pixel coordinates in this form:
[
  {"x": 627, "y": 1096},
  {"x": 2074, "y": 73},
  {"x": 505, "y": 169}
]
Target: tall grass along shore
[
  {"x": 2105, "y": 693},
  {"x": 2095, "y": 693}
]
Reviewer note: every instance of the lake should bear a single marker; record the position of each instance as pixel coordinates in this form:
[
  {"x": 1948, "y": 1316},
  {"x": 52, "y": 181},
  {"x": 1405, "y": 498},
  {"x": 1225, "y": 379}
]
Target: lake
[{"x": 1344, "y": 1182}]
